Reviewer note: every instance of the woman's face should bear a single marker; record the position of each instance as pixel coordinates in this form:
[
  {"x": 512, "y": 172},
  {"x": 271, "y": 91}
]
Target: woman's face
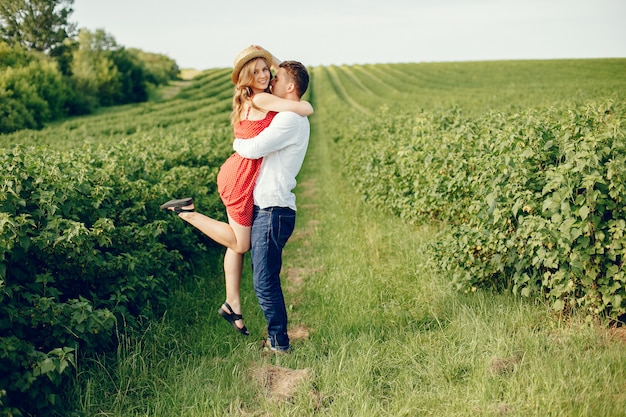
[{"x": 261, "y": 75}]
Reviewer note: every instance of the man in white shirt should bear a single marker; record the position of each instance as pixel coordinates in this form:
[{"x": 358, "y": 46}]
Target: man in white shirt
[{"x": 282, "y": 145}]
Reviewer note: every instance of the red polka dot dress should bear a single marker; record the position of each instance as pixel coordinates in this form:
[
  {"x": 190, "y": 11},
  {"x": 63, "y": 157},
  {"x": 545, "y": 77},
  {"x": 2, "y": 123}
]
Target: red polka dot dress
[{"x": 237, "y": 176}]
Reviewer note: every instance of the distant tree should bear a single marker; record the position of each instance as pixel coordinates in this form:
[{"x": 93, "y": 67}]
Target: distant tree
[
  {"x": 94, "y": 72},
  {"x": 13, "y": 56},
  {"x": 31, "y": 95},
  {"x": 105, "y": 73},
  {"x": 160, "y": 68},
  {"x": 63, "y": 55},
  {"x": 40, "y": 25},
  {"x": 133, "y": 80}
]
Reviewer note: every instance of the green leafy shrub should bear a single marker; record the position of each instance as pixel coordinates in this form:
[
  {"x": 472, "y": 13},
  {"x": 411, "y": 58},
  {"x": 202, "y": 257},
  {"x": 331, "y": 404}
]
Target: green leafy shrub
[
  {"x": 534, "y": 200},
  {"x": 552, "y": 224},
  {"x": 85, "y": 249},
  {"x": 35, "y": 92}
]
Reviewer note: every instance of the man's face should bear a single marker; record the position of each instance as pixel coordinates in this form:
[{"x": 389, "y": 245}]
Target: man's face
[{"x": 281, "y": 83}]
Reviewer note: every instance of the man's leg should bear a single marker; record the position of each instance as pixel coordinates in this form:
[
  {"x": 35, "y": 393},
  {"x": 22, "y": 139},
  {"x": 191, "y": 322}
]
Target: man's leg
[{"x": 271, "y": 229}]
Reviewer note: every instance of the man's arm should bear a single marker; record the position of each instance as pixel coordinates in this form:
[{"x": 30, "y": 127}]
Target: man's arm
[{"x": 279, "y": 134}]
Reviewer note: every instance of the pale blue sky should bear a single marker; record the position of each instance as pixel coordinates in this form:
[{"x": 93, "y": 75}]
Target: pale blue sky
[{"x": 204, "y": 34}]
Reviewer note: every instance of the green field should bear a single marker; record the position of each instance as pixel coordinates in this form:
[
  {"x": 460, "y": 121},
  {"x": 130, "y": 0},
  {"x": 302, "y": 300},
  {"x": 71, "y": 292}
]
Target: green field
[{"x": 382, "y": 322}]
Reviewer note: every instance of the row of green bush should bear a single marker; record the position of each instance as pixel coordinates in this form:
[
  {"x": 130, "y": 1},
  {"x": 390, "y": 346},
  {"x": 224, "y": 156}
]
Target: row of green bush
[
  {"x": 86, "y": 253},
  {"x": 534, "y": 200},
  {"x": 36, "y": 89}
]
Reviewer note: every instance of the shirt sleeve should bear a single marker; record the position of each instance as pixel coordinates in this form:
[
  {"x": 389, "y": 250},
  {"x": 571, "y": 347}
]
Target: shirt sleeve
[{"x": 279, "y": 134}]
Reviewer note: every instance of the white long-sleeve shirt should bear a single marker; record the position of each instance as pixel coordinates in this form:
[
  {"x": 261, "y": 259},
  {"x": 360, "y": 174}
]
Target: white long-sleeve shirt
[{"x": 282, "y": 145}]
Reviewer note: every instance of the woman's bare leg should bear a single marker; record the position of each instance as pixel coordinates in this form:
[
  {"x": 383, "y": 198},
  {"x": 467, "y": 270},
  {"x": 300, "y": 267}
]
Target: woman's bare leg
[
  {"x": 221, "y": 232},
  {"x": 233, "y": 265},
  {"x": 236, "y": 239}
]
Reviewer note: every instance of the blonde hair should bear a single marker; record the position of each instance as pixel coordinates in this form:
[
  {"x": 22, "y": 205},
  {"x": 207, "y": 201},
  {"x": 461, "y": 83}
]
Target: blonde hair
[{"x": 243, "y": 91}]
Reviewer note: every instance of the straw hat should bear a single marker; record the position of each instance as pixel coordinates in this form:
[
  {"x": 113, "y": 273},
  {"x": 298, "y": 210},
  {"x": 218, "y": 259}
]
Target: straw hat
[{"x": 248, "y": 54}]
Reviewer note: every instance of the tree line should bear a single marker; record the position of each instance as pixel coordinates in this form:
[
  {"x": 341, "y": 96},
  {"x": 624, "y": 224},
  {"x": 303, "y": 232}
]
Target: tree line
[{"x": 50, "y": 70}]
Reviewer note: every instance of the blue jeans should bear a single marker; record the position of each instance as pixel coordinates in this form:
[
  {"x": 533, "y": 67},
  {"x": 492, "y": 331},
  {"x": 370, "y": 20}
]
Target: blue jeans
[{"x": 271, "y": 228}]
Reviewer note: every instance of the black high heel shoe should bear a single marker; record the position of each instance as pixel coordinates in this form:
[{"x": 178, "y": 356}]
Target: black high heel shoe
[
  {"x": 231, "y": 318},
  {"x": 177, "y": 205}
]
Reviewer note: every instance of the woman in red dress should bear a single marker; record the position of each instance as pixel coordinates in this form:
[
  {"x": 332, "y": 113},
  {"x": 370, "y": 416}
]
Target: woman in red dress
[{"x": 253, "y": 110}]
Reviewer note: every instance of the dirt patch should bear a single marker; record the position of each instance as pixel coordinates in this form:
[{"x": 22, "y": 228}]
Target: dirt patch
[
  {"x": 298, "y": 332},
  {"x": 280, "y": 383},
  {"x": 618, "y": 333},
  {"x": 295, "y": 276},
  {"x": 308, "y": 188},
  {"x": 500, "y": 366},
  {"x": 304, "y": 234}
]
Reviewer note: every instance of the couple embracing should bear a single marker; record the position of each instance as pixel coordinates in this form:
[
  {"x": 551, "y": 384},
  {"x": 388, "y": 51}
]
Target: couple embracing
[{"x": 256, "y": 182}]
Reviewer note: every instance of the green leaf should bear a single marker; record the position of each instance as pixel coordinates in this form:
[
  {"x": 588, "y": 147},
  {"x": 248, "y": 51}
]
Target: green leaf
[
  {"x": 583, "y": 212},
  {"x": 47, "y": 365},
  {"x": 558, "y": 305}
]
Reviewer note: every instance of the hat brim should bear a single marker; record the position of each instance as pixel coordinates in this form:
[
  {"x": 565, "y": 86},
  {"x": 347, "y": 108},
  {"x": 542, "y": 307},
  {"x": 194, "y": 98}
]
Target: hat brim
[{"x": 247, "y": 56}]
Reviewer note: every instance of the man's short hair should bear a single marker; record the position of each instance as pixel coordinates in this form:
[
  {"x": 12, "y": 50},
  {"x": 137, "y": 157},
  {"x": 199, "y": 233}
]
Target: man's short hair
[{"x": 299, "y": 75}]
